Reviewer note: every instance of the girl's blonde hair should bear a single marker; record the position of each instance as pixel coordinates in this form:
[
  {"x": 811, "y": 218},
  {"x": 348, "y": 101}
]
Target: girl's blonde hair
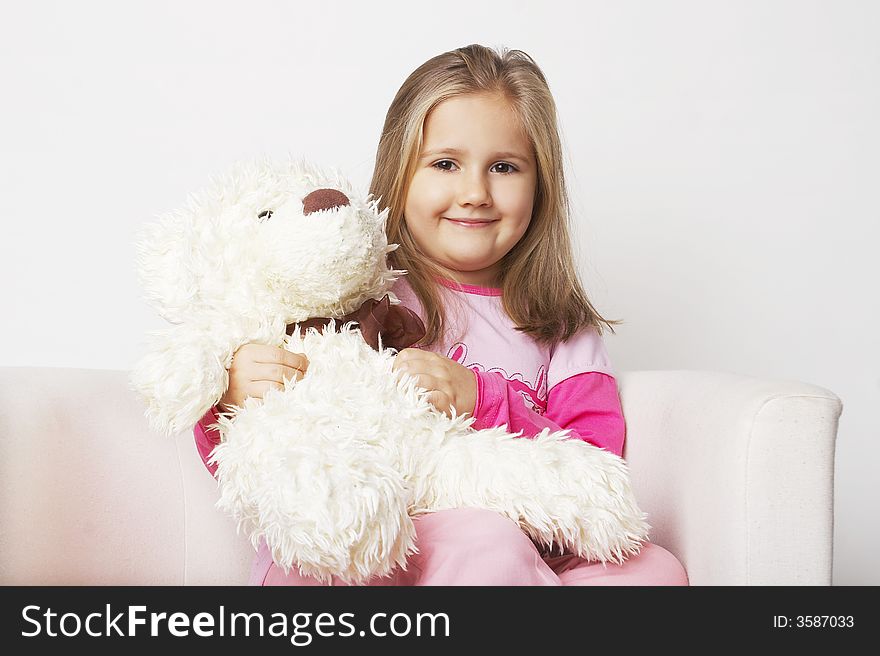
[{"x": 541, "y": 292}]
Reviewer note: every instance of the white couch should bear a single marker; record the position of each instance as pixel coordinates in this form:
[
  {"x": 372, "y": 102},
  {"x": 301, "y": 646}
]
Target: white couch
[{"x": 735, "y": 473}]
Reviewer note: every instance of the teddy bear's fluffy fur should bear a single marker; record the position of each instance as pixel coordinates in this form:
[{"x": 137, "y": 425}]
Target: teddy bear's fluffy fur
[{"x": 330, "y": 470}]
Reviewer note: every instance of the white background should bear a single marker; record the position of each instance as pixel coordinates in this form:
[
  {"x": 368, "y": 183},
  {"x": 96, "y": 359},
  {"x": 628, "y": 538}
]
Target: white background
[{"x": 723, "y": 164}]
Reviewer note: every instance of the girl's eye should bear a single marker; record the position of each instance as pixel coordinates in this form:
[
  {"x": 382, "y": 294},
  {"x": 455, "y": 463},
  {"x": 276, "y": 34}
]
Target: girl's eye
[
  {"x": 510, "y": 168},
  {"x": 447, "y": 165},
  {"x": 443, "y": 162}
]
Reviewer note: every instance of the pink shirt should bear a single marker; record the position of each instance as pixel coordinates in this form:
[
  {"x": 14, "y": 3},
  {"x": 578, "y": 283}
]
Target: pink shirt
[{"x": 520, "y": 383}]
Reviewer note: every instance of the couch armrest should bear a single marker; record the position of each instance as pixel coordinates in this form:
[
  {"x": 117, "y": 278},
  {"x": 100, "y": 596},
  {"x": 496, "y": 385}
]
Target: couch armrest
[
  {"x": 89, "y": 495},
  {"x": 736, "y": 473}
]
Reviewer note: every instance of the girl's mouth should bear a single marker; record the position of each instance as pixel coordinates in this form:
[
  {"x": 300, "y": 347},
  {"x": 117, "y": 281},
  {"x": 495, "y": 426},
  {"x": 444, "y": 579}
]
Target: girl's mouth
[{"x": 471, "y": 223}]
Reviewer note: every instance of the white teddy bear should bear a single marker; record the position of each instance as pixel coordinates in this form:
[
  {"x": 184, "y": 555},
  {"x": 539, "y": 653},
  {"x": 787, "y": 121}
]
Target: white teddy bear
[{"x": 330, "y": 470}]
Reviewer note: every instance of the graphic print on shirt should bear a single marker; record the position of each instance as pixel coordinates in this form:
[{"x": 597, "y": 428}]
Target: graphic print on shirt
[{"x": 534, "y": 395}]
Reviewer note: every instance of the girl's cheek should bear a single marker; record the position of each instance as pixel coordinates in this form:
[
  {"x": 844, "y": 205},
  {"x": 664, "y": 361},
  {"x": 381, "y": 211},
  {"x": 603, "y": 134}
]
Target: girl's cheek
[{"x": 429, "y": 192}]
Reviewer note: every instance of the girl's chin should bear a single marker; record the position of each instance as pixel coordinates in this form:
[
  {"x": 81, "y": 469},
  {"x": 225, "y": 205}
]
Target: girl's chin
[{"x": 471, "y": 272}]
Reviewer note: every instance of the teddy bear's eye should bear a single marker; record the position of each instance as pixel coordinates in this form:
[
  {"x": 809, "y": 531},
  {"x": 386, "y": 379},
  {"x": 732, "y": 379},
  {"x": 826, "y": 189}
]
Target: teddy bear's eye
[{"x": 264, "y": 215}]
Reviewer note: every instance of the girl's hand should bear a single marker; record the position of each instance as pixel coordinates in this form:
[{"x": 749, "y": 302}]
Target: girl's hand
[
  {"x": 450, "y": 383},
  {"x": 256, "y": 368}
]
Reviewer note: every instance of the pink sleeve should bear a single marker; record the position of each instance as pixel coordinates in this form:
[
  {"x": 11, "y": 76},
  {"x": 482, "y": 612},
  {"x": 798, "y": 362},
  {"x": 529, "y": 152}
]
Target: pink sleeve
[
  {"x": 587, "y": 404},
  {"x": 207, "y": 438}
]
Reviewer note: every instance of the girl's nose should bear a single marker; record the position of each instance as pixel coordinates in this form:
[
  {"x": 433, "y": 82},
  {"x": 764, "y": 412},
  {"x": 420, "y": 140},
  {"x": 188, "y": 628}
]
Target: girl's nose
[
  {"x": 473, "y": 190},
  {"x": 323, "y": 199}
]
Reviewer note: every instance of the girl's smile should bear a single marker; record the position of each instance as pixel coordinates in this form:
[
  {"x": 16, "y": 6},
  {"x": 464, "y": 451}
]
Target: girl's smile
[
  {"x": 471, "y": 197},
  {"x": 471, "y": 223}
]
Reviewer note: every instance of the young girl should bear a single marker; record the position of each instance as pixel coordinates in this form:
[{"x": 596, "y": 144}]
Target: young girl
[{"x": 470, "y": 165}]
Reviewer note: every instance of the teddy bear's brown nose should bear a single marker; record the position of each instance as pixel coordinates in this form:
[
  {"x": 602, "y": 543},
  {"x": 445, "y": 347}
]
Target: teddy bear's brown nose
[{"x": 324, "y": 199}]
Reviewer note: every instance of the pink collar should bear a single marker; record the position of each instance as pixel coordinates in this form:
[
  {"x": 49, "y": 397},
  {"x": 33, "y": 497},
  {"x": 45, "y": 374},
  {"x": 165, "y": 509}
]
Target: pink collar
[{"x": 469, "y": 289}]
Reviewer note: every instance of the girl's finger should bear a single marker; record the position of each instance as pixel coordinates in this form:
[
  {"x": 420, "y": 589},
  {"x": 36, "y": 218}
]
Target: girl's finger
[
  {"x": 425, "y": 381},
  {"x": 278, "y": 378},
  {"x": 413, "y": 355},
  {"x": 260, "y": 352},
  {"x": 439, "y": 400},
  {"x": 274, "y": 355},
  {"x": 296, "y": 361},
  {"x": 420, "y": 362},
  {"x": 259, "y": 388},
  {"x": 277, "y": 373}
]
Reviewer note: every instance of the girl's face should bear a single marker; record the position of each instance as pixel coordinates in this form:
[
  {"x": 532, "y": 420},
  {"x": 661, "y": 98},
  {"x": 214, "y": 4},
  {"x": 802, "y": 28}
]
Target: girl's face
[{"x": 471, "y": 197}]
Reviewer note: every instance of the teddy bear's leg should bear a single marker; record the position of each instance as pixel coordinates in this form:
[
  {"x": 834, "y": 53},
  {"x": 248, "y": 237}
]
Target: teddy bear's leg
[
  {"x": 561, "y": 491},
  {"x": 323, "y": 500}
]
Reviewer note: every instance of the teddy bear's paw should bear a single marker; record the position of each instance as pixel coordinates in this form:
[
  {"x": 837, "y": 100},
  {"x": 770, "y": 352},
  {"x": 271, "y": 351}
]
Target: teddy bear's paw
[
  {"x": 578, "y": 526},
  {"x": 561, "y": 490},
  {"x": 178, "y": 380},
  {"x": 378, "y": 552},
  {"x": 322, "y": 500},
  {"x": 373, "y": 537},
  {"x": 584, "y": 503}
]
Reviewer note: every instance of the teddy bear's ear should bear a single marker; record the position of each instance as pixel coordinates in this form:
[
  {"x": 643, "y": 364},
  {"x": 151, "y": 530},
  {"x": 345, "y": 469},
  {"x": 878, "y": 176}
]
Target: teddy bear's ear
[{"x": 167, "y": 266}]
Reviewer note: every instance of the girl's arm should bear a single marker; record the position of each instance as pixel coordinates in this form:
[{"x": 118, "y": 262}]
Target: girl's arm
[
  {"x": 207, "y": 438},
  {"x": 587, "y": 404},
  {"x": 255, "y": 368}
]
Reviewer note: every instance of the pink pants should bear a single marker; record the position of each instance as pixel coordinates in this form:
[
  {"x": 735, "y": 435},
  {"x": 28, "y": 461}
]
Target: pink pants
[{"x": 468, "y": 546}]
